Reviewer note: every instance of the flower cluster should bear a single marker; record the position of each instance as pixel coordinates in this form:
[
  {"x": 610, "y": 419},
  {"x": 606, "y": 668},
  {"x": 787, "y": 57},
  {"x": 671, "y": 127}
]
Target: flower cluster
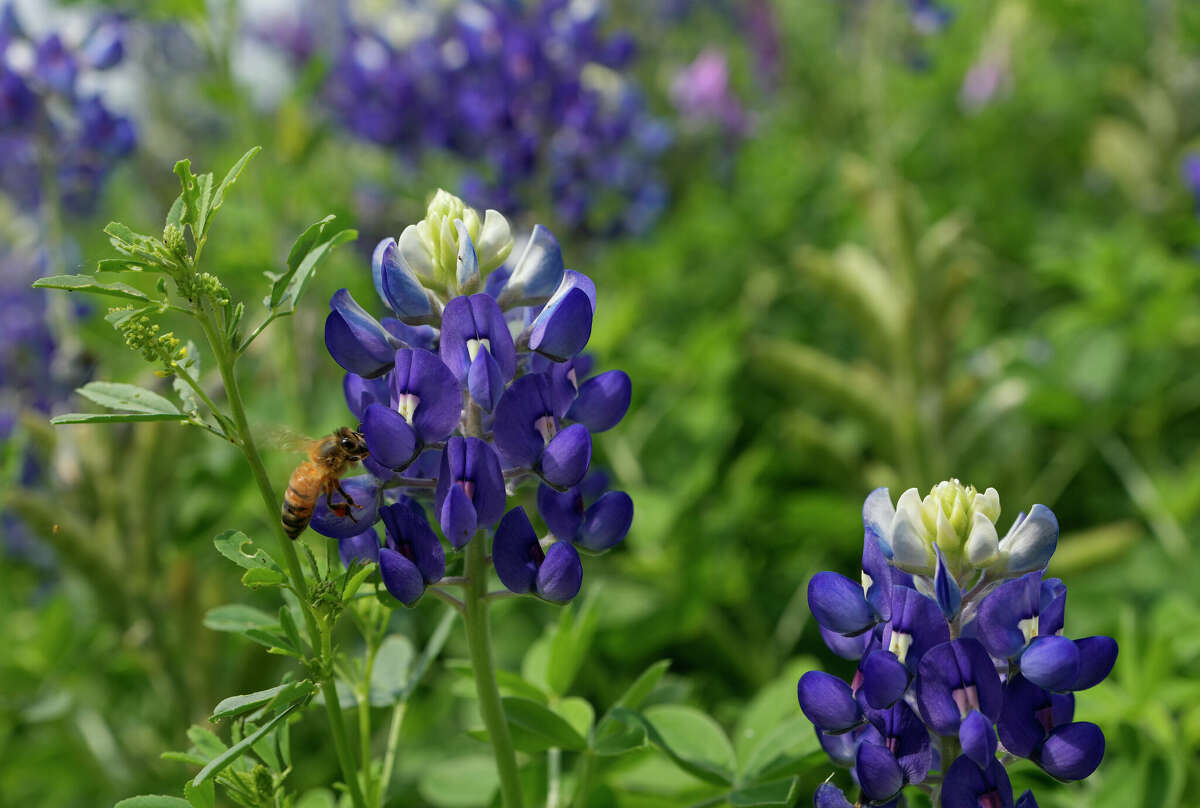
[
  {"x": 537, "y": 96},
  {"x": 56, "y": 137},
  {"x": 474, "y": 386},
  {"x": 958, "y": 638}
]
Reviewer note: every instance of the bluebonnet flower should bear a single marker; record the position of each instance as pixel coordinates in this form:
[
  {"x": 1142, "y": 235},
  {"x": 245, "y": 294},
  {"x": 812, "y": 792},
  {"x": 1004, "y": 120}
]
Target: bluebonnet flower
[
  {"x": 958, "y": 636},
  {"x": 1189, "y": 170},
  {"x": 535, "y": 95},
  {"x": 476, "y": 386},
  {"x": 49, "y": 124},
  {"x": 37, "y": 371},
  {"x": 928, "y": 17}
]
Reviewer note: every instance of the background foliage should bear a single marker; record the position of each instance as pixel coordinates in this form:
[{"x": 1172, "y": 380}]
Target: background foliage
[{"x": 887, "y": 277}]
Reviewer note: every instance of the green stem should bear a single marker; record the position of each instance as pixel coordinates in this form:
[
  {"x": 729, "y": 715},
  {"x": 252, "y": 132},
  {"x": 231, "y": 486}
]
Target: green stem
[
  {"x": 393, "y": 745},
  {"x": 319, "y": 634},
  {"x": 364, "y": 705},
  {"x": 583, "y": 778},
  {"x": 554, "y": 776},
  {"x": 483, "y": 666}
]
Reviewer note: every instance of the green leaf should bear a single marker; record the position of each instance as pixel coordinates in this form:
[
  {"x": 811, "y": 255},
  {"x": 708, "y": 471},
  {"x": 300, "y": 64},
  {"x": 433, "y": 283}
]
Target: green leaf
[
  {"x": 288, "y": 624},
  {"x": 541, "y": 725},
  {"x": 643, "y": 686},
  {"x": 218, "y": 196},
  {"x": 615, "y": 735},
  {"x": 120, "y": 265},
  {"x": 781, "y": 751},
  {"x": 139, "y": 245},
  {"x": 153, "y": 801},
  {"x": 306, "y": 254},
  {"x": 190, "y": 195},
  {"x": 203, "y": 796},
  {"x": 206, "y": 742},
  {"x": 570, "y": 643},
  {"x": 508, "y": 682},
  {"x": 234, "y": 752},
  {"x": 241, "y": 550},
  {"x": 578, "y": 713},
  {"x": 87, "y": 283},
  {"x": 692, "y": 740},
  {"x": 356, "y": 580},
  {"x": 114, "y": 417},
  {"x": 463, "y": 782},
  {"x": 238, "y": 617},
  {"x": 390, "y": 674},
  {"x": 779, "y": 794},
  {"x": 262, "y": 576},
  {"x": 175, "y": 214},
  {"x": 127, "y": 397},
  {"x": 284, "y": 694}
]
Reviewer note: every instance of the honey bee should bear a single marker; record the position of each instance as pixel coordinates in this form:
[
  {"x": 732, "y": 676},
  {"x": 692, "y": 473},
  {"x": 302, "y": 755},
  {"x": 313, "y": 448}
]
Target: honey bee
[{"x": 328, "y": 458}]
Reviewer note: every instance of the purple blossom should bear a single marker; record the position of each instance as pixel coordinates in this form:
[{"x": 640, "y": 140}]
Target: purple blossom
[
  {"x": 49, "y": 124},
  {"x": 463, "y": 410},
  {"x": 967, "y": 655},
  {"x": 702, "y": 94},
  {"x": 532, "y": 98}
]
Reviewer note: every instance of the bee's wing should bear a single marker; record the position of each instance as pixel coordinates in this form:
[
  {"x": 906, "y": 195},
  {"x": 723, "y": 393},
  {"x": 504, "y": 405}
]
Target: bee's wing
[{"x": 276, "y": 436}]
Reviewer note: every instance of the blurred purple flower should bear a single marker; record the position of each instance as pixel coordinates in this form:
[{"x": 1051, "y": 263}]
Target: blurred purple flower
[
  {"x": 533, "y": 98},
  {"x": 702, "y": 94}
]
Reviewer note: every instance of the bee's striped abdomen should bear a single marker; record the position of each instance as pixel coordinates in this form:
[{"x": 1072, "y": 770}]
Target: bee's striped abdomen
[{"x": 300, "y": 498}]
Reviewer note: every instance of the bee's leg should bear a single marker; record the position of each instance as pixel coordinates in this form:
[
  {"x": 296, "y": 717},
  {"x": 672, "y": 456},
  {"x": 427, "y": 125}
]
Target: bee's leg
[
  {"x": 345, "y": 496},
  {"x": 340, "y": 509}
]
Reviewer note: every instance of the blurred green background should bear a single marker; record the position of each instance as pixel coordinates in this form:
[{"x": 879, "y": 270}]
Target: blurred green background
[{"x": 931, "y": 247}]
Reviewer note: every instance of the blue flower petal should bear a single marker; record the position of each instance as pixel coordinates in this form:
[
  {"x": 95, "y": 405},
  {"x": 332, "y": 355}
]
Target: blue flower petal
[
  {"x": 516, "y": 554},
  {"x": 560, "y": 574},
  {"x": 1051, "y": 662},
  {"x": 606, "y": 522},
  {"x": 827, "y": 702},
  {"x": 838, "y": 603},
  {"x": 978, "y": 738},
  {"x": 602, "y": 401},
  {"x": 567, "y": 456},
  {"x": 1073, "y": 751},
  {"x": 401, "y": 577},
  {"x": 391, "y": 441},
  {"x": 364, "y": 490},
  {"x": 356, "y": 340}
]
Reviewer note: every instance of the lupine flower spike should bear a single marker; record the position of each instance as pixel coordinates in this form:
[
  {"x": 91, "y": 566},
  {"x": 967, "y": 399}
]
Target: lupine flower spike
[
  {"x": 962, "y": 662},
  {"x": 476, "y": 385}
]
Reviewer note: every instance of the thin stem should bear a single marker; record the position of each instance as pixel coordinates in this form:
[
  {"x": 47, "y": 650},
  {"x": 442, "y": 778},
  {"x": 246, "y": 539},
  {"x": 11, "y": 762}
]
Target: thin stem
[
  {"x": 483, "y": 666},
  {"x": 454, "y": 580},
  {"x": 319, "y": 634},
  {"x": 583, "y": 778},
  {"x": 432, "y": 648},
  {"x": 500, "y": 594},
  {"x": 334, "y": 709},
  {"x": 393, "y": 744},
  {"x": 446, "y": 596},
  {"x": 364, "y": 703},
  {"x": 195, "y": 385},
  {"x": 554, "y": 776}
]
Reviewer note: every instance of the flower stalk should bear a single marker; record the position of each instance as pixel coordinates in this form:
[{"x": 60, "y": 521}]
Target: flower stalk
[
  {"x": 475, "y": 616},
  {"x": 320, "y": 633}
]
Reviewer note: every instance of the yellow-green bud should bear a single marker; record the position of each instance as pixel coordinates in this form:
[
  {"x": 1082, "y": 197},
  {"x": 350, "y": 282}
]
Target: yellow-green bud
[
  {"x": 431, "y": 247},
  {"x": 959, "y": 518},
  {"x": 173, "y": 238}
]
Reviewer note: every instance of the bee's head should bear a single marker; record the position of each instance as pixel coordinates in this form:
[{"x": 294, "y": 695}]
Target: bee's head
[{"x": 352, "y": 443}]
